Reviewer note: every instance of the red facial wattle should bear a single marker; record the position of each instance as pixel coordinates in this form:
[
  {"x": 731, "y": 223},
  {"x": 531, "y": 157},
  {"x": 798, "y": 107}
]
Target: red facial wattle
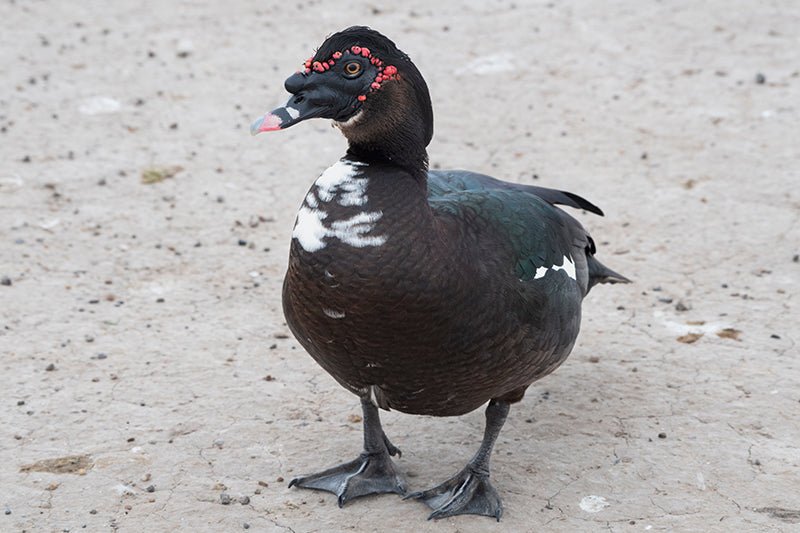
[
  {"x": 387, "y": 72},
  {"x": 287, "y": 115}
]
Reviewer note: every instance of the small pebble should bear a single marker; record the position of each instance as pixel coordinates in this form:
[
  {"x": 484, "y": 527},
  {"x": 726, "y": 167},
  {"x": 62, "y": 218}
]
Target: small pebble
[
  {"x": 775, "y": 336},
  {"x": 680, "y": 306},
  {"x": 101, "y": 355},
  {"x": 224, "y": 498},
  {"x": 50, "y": 367},
  {"x": 662, "y": 435},
  {"x": 760, "y": 78},
  {"x": 184, "y": 48},
  {"x": 246, "y": 525},
  {"x": 20, "y": 402},
  {"x": 93, "y": 511},
  {"x": 242, "y": 242},
  {"x": 8, "y": 511},
  {"x": 5, "y": 280},
  {"x": 150, "y": 488},
  {"x": 244, "y": 500}
]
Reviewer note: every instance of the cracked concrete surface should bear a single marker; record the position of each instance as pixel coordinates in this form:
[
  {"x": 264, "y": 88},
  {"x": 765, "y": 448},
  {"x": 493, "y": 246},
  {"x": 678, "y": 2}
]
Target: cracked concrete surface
[{"x": 141, "y": 326}]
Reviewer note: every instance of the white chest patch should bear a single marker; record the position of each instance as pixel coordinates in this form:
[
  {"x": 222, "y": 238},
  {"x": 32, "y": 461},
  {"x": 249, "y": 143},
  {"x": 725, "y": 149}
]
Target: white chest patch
[
  {"x": 567, "y": 265},
  {"x": 340, "y": 184}
]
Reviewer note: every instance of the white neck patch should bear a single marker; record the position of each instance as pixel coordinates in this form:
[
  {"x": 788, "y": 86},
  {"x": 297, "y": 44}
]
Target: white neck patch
[
  {"x": 341, "y": 184},
  {"x": 567, "y": 265}
]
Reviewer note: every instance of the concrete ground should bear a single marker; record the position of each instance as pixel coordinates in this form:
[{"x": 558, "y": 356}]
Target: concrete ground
[{"x": 147, "y": 373}]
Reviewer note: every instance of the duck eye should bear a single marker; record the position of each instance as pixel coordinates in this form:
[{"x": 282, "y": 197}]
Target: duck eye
[{"x": 352, "y": 69}]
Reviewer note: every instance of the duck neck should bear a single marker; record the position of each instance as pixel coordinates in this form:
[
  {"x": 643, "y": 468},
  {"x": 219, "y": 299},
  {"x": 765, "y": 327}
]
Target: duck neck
[
  {"x": 391, "y": 130},
  {"x": 401, "y": 151}
]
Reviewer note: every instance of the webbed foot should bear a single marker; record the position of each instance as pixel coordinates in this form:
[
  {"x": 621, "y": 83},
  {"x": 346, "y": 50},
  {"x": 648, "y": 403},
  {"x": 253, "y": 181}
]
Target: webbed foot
[
  {"x": 370, "y": 473},
  {"x": 373, "y": 472},
  {"x": 467, "y": 492}
]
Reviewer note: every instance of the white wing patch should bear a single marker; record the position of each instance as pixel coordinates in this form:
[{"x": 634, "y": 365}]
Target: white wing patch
[
  {"x": 330, "y": 313},
  {"x": 339, "y": 183},
  {"x": 567, "y": 265}
]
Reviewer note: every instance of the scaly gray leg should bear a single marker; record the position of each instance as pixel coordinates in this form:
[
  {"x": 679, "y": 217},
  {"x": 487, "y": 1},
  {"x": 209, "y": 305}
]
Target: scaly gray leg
[
  {"x": 469, "y": 491},
  {"x": 373, "y": 472}
]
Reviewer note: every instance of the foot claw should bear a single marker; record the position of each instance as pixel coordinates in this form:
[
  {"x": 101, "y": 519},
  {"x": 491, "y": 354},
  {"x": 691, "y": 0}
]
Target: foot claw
[
  {"x": 465, "y": 493},
  {"x": 391, "y": 448},
  {"x": 368, "y": 474}
]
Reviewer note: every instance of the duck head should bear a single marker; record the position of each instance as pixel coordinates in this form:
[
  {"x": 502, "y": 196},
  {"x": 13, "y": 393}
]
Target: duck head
[{"x": 369, "y": 88}]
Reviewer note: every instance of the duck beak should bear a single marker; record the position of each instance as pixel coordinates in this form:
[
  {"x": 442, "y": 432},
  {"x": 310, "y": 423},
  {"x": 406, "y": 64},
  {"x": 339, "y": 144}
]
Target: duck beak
[
  {"x": 312, "y": 97},
  {"x": 306, "y": 102},
  {"x": 300, "y": 107},
  {"x": 279, "y": 118},
  {"x": 319, "y": 103}
]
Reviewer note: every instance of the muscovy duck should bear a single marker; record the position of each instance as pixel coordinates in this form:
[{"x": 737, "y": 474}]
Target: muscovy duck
[{"x": 428, "y": 292}]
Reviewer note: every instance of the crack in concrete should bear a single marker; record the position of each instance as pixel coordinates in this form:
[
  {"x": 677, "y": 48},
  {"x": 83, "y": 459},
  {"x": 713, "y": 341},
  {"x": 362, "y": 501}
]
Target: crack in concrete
[
  {"x": 672, "y": 513},
  {"x": 276, "y": 524},
  {"x": 787, "y": 515}
]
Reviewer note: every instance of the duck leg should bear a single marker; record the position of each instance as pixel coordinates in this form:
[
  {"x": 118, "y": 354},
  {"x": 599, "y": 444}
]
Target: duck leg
[
  {"x": 469, "y": 491},
  {"x": 373, "y": 472}
]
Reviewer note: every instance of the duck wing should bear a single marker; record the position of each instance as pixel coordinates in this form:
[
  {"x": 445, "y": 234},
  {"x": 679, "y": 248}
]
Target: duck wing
[
  {"x": 445, "y": 181},
  {"x": 520, "y": 226}
]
